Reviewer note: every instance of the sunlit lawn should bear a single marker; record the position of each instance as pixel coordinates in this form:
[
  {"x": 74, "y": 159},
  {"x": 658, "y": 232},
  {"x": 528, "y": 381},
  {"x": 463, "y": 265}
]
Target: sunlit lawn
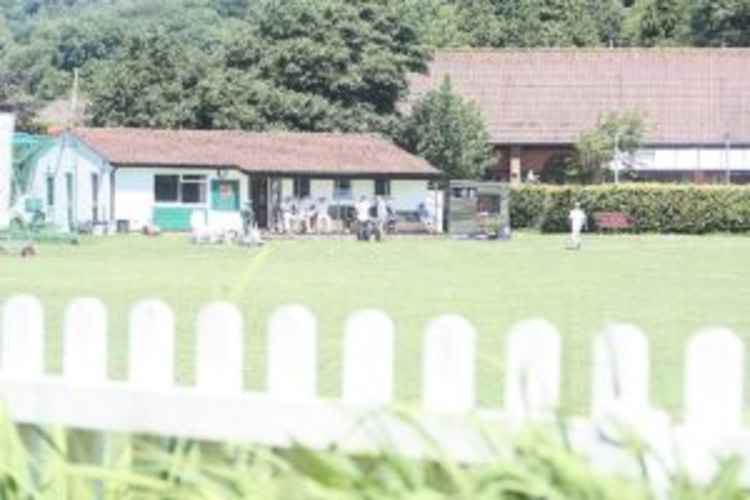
[{"x": 669, "y": 286}]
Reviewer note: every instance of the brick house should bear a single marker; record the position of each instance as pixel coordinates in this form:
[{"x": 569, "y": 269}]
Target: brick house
[{"x": 537, "y": 102}]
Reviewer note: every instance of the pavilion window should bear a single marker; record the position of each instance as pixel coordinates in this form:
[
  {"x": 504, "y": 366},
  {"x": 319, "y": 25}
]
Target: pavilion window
[
  {"x": 301, "y": 187},
  {"x": 343, "y": 188},
  {"x": 382, "y": 187},
  {"x": 180, "y": 189}
]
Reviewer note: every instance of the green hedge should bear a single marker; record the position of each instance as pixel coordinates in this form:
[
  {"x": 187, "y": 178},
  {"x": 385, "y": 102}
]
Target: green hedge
[{"x": 659, "y": 208}]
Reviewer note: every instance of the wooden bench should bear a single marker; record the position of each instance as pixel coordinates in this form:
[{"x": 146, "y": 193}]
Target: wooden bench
[{"x": 615, "y": 221}]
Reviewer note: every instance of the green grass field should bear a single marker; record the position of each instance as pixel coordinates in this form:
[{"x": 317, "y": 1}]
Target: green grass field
[{"x": 669, "y": 286}]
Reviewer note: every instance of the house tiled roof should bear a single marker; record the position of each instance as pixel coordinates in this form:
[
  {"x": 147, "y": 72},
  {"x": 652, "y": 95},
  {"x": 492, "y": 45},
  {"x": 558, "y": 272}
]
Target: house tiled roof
[
  {"x": 550, "y": 96},
  {"x": 276, "y": 152}
]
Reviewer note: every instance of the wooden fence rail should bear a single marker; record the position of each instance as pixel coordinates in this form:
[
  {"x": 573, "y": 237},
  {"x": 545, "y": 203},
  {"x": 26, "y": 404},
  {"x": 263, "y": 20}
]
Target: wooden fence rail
[{"x": 290, "y": 411}]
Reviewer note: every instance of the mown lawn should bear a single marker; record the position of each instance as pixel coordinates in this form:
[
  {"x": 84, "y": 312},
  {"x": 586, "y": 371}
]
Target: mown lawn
[{"x": 669, "y": 286}]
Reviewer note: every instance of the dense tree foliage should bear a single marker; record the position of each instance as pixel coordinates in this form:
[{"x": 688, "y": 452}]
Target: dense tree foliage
[
  {"x": 323, "y": 65},
  {"x": 721, "y": 22},
  {"x": 658, "y": 22},
  {"x": 449, "y": 132}
]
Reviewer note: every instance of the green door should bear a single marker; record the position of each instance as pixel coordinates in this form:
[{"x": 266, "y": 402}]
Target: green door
[{"x": 225, "y": 195}]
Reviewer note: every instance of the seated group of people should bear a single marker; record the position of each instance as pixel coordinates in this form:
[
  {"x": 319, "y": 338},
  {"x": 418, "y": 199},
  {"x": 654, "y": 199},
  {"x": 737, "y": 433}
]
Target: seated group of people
[
  {"x": 314, "y": 215},
  {"x": 306, "y": 215}
]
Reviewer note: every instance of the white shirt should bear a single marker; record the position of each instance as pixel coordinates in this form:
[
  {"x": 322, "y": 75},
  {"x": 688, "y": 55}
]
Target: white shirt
[
  {"x": 577, "y": 219},
  {"x": 363, "y": 211}
]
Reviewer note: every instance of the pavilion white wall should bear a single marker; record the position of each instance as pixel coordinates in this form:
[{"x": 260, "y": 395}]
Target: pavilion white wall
[
  {"x": 321, "y": 188},
  {"x": 363, "y": 187},
  {"x": 694, "y": 159},
  {"x": 61, "y": 161},
  {"x": 134, "y": 192},
  {"x": 408, "y": 194},
  {"x": 134, "y": 196}
]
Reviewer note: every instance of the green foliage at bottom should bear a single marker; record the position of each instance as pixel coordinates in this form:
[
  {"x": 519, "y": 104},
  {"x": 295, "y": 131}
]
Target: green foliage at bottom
[
  {"x": 534, "y": 466},
  {"x": 657, "y": 208}
]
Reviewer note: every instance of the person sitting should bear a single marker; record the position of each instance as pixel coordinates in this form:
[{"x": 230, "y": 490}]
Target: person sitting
[
  {"x": 425, "y": 218},
  {"x": 322, "y": 217},
  {"x": 308, "y": 215},
  {"x": 287, "y": 215},
  {"x": 381, "y": 214}
]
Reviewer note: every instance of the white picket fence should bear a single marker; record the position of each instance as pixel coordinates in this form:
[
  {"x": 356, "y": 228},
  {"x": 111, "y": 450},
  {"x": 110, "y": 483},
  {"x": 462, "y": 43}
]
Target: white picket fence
[{"x": 290, "y": 411}]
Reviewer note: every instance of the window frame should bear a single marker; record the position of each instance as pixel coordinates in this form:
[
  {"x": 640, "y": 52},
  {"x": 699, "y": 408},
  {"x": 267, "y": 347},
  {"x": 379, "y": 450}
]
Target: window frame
[
  {"x": 385, "y": 184},
  {"x": 301, "y": 187},
  {"x": 199, "y": 180}
]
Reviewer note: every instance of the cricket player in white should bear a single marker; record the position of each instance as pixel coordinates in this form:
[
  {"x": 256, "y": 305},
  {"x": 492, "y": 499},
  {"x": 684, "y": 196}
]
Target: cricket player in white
[
  {"x": 323, "y": 219},
  {"x": 577, "y": 222}
]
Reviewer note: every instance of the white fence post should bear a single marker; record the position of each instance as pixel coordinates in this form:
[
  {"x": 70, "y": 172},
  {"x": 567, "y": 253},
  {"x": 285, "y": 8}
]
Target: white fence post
[
  {"x": 292, "y": 354},
  {"x": 713, "y": 400},
  {"x": 85, "y": 362},
  {"x": 85, "y": 342},
  {"x": 621, "y": 370},
  {"x": 448, "y": 376},
  {"x": 151, "y": 352},
  {"x": 532, "y": 378},
  {"x": 22, "y": 343},
  {"x": 22, "y": 356},
  {"x": 368, "y": 359},
  {"x": 714, "y": 380},
  {"x": 220, "y": 349}
]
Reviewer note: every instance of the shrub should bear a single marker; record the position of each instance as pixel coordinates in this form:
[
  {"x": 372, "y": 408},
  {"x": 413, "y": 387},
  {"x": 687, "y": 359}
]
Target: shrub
[{"x": 658, "y": 208}]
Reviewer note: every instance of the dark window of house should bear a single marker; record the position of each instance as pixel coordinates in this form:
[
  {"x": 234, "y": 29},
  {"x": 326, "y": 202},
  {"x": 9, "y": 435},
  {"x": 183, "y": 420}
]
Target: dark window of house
[
  {"x": 343, "y": 188},
  {"x": 382, "y": 187},
  {"x": 166, "y": 187},
  {"x": 193, "y": 189},
  {"x": 50, "y": 191},
  {"x": 301, "y": 187}
]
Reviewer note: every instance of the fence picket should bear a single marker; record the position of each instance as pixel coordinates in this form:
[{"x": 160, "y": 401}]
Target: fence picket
[
  {"x": 448, "y": 365},
  {"x": 22, "y": 342},
  {"x": 85, "y": 341},
  {"x": 621, "y": 370},
  {"x": 368, "y": 359},
  {"x": 151, "y": 352},
  {"x": 714, "y": 380},
  {"x": 292, "y": 354},
  {"x": 85, "y": 362},
  {"x": 219, "y": 351},
  {"x": 532, "y": 378}
]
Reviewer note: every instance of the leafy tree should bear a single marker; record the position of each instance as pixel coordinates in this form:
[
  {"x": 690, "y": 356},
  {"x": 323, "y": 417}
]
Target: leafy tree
[
  {"x": 233, "y": 8},
  {"x": 439, "y": 22},
  {"x": 658, "y": 22},
  {"x": 353, "y": 55},
  {"x": 609, "y": 17},
  {"x": 152, "y": 82},
  {"x": 721, "y": 22},
  {"x": 595, "y": 149},
  {"x": 6, "y": 37},
  {"x": 546, "y": 23},
  {"x": 449, "y": 132}
]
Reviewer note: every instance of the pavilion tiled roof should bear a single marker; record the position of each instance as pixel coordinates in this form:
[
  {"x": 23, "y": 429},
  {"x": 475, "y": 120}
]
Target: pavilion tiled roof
[
  {"x": 272, "y": 152},
  {"x": 550, "y": 96}
]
